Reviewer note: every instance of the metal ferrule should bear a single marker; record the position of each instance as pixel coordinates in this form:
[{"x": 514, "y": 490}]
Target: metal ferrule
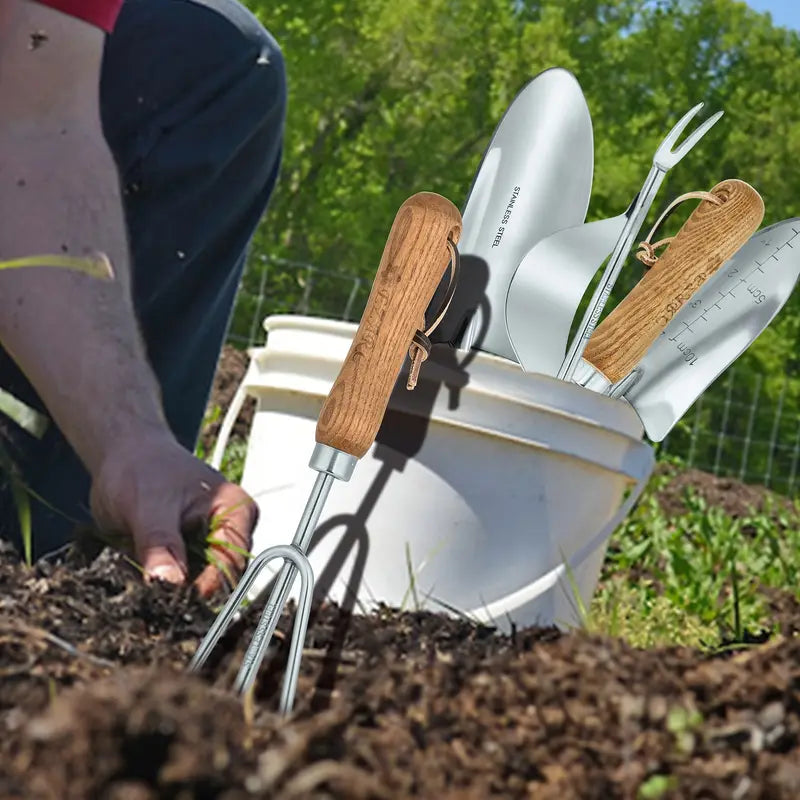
[
  {"x": 628, "y": 382},
  {"x": 590, "y": 378},
  {"x": 333, "y": 462}
]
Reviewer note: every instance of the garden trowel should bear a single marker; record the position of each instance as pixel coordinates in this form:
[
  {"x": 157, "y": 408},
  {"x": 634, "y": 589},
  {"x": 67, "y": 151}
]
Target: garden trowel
[
  {"x": 548, "y": 286},
  {"x": 720, "y": 321},
  {"x": 713, "y": 232},
  {"x": 535, "y": 178}
]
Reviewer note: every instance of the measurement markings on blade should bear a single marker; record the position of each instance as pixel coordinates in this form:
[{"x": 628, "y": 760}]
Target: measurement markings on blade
[{"x": 757, "y": 296}]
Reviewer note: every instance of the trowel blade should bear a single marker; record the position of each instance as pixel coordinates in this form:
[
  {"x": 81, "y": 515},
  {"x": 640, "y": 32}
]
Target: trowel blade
[
  {"x": 547, "y": 288},
  {"x": 535, "y": 178},
  {"x": 721, "y": 320}
]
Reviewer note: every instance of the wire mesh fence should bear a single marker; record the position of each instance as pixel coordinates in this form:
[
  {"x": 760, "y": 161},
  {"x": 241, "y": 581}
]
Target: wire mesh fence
[
  {"x": 744, "y": 426},
  {"x": 278, "y": 286},
  {"x": 744, "y": 429}
]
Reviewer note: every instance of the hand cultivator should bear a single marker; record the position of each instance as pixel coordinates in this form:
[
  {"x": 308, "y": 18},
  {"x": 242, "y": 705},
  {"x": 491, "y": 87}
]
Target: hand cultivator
[{"x": 421, "y": 243}]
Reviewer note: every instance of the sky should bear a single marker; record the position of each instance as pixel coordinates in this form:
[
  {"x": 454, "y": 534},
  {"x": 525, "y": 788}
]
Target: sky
[{"x": 784, "y": 12}]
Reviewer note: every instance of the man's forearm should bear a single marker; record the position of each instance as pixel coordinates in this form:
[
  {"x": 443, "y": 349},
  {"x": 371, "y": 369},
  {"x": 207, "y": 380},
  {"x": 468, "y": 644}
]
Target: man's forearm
[{"x": 74, "y": 336}]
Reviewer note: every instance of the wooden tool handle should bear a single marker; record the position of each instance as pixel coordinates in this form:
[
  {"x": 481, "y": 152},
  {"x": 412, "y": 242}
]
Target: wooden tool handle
[
  {"x": 413, "y": 263},
  {"x": 711, "y": 235}
]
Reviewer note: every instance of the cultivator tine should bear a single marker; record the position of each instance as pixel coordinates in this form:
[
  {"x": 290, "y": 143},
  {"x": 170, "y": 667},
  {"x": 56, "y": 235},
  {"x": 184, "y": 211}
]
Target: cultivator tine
[
  {"x": 292, "y": 557},
  {"x": 667, "y": 155},
  {"x": 225, "y": 617}
]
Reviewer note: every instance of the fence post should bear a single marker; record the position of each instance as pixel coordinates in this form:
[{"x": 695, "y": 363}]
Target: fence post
[
  {"x": 303, "y": 305},
  {"x": 352, "y": 298},
  {"x": 725, "y": 414},
  {"x": 262, "y": 285},
  {"x": 695, "y": 431},
  {"x": 749, "y": 433},
  {"x": 795, "y": 456},
  {"x": 774, "y": 436}
]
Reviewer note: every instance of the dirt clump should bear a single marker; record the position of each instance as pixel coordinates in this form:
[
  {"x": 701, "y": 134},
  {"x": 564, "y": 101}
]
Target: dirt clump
[{"x": 736, "y": 499}]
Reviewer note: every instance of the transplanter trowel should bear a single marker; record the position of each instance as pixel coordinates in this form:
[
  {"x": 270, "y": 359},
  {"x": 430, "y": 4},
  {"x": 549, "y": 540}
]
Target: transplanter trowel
[
  {"x": 714, "y": 231},
  {"x": 718, "y": 323}
]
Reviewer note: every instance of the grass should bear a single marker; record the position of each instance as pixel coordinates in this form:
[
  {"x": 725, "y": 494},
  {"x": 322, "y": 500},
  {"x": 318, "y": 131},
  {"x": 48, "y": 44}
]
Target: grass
[
  {"x": 697, "y": 578},
  {"x": 232, "y": 466}
]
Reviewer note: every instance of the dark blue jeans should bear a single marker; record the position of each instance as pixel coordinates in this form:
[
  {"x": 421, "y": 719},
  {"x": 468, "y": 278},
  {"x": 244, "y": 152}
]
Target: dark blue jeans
[{"x": 193, "y": 100}]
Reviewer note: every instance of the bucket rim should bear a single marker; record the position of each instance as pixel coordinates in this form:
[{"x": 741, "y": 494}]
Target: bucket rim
[{"x": 611, "y": 414}]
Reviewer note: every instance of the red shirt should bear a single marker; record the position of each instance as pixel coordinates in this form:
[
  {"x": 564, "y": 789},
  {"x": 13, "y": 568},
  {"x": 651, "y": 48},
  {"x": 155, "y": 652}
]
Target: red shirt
[{"x": 101, "y": 13}]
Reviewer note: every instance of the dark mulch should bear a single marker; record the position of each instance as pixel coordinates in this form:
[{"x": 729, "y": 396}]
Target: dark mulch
[
  {"x": 735, "y": 498},
  {"x": 391, "y": 705}
]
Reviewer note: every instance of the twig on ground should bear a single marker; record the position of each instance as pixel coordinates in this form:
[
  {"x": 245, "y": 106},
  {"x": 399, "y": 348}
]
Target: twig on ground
[
  {"x": 13, "y": 626},
  {"x": 358, "y": 783}
]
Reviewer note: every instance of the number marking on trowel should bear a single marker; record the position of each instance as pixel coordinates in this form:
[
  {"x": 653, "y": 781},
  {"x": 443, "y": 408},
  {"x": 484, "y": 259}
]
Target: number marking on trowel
[
  {"x": 715, "y": 327},
  {"x": 735, "y": 278}
]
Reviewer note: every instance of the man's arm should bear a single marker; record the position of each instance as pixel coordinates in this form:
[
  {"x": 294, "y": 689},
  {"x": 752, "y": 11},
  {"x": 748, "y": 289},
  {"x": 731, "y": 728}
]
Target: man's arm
[{"x": 76, "y": 337}]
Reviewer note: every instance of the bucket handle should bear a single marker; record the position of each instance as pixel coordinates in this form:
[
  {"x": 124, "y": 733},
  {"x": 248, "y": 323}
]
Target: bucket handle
[
  {"x": 497, "y": 608},
  {"x": 228, "y": 421}
]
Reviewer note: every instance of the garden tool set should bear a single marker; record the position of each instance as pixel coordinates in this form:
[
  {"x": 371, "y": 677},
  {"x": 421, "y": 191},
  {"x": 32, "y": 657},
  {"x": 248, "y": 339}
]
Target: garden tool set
[
  {"x": 627, "y": 356},
  {"x": 541, "y": 338},
  {"x": 699, "y": 305}
]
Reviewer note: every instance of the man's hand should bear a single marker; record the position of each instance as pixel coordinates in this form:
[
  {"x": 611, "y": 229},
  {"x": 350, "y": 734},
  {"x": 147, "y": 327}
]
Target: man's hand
[{"x": 163, "y": 497}]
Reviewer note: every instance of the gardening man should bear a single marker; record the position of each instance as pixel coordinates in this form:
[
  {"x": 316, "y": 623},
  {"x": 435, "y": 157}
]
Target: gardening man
[{"x": 149, "y": 131}]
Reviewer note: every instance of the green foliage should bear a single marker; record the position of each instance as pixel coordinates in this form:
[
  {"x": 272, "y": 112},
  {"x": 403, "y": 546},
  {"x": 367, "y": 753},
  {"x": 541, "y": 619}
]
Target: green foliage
[
  {"x": 656, "y": 786},
  {"x": 232, "y": 466},
  {"x": 390, "y": 98},
  {"x": 695, "y": 579}
]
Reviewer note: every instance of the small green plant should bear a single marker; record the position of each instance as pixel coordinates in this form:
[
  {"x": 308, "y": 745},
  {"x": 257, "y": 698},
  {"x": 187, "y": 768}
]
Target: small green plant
[
  {"x": 684, "y": 724},
  {"x": 656, "y": 787},
  {"x": 695, "y": 578}
]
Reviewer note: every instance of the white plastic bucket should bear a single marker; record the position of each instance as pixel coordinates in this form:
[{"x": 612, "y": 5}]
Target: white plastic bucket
[{"x": 502, "y": 512}]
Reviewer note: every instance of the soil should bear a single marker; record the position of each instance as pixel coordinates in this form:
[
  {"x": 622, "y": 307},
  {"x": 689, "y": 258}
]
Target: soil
[
  {"x": 96, "y": 702},
  {"x": 738, "y": 500}
]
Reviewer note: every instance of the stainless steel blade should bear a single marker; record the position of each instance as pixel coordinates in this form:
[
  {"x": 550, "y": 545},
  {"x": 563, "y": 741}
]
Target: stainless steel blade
[
  {"x": 548, "y": 286},
  {"x": 723, "y": 318},
  {"x": 535, "y": 179}
]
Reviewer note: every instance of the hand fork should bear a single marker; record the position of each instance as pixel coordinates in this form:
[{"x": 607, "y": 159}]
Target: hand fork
[
  {"x": 665, "y": 158},
  {"x": 425, "y": 231}
]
